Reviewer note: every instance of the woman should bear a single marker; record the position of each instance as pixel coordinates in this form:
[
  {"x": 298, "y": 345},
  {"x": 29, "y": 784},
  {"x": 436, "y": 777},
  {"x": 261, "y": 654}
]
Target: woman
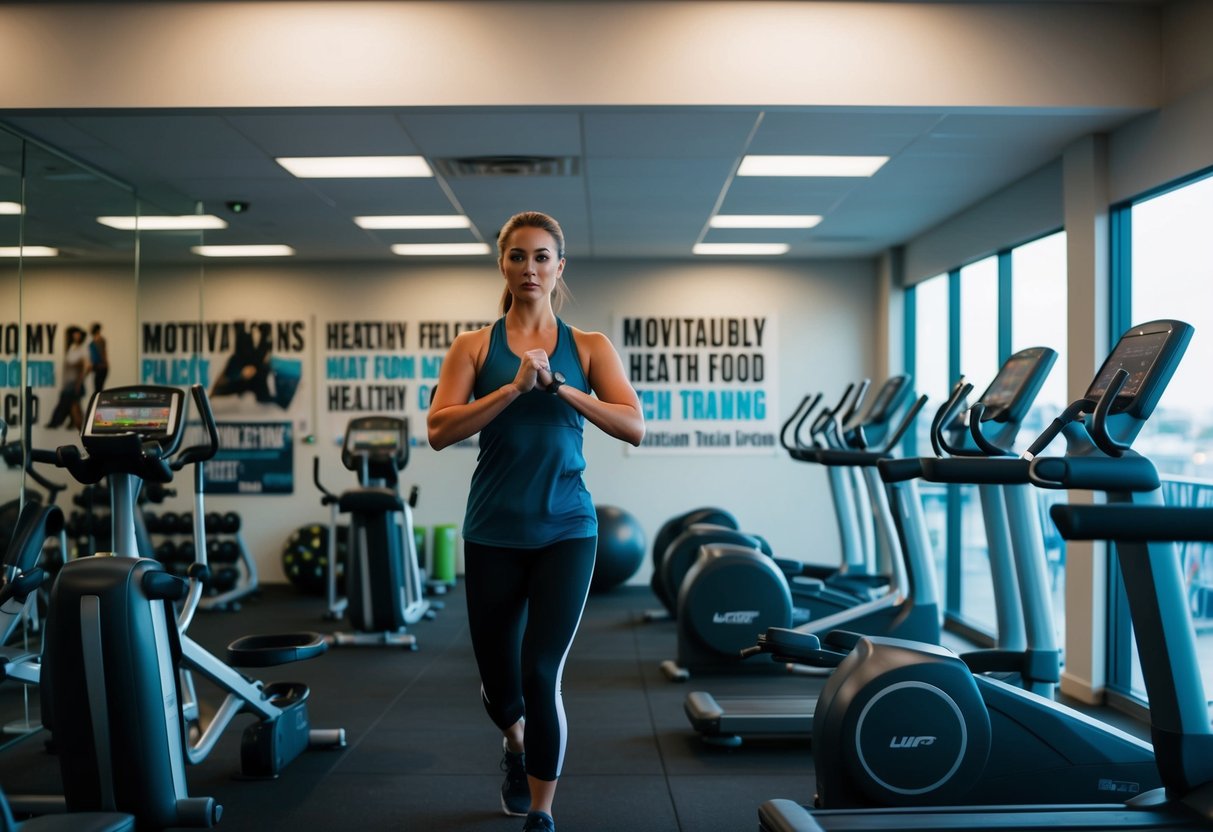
[
  {"x": 71, "y": 382},
  {"x": 98, "y": 358},
  {"x": 527, "y": 384}
]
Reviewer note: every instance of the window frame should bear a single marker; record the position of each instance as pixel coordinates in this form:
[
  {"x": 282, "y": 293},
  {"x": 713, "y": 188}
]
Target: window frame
[
  {"x": 954, "y": 621},
  {"x": 1120, "y": 313}
]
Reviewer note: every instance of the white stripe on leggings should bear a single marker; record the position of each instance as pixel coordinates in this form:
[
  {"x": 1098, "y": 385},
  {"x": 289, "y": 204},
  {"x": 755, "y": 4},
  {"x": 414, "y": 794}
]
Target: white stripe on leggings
[{"x": 564, "y": 725}]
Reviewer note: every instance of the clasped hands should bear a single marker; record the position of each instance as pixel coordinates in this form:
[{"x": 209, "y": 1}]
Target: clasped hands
[{"x": 534, "y": 370}]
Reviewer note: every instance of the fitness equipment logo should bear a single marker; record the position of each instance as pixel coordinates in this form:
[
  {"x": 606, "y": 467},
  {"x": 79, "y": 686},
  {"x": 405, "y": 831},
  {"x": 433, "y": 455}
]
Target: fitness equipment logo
[
  {"x": 735, "y": 617},
  {"x": 910, "y": 742}
]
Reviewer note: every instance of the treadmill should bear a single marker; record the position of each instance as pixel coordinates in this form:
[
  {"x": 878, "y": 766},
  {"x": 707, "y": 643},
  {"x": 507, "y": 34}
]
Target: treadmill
[
  {"x": 1101, "y": 426},
  {"x": 1034, "y": 657}
]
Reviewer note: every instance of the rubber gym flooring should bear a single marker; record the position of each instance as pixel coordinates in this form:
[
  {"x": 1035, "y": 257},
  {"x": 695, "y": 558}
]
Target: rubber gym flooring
[{"x": 422, "y": 754}]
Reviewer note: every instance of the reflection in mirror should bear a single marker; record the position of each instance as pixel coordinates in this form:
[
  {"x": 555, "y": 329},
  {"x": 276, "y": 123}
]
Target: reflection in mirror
[
  {"x": 11, "y": 206},
  {"x": 78, "y": 307},
  {"x": 69, "y": 278}
]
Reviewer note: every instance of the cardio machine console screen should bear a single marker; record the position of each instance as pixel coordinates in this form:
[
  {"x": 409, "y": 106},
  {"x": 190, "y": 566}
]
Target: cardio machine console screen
[
  {"x": 373, "y": 441},
  {"x": 378, "y": 439},
  {"x": 148, "y": 411},
  {"x": 1136, "y": 354},
  {"x": 880, "y": 406},
  {"x": 1012, "y": 381}
]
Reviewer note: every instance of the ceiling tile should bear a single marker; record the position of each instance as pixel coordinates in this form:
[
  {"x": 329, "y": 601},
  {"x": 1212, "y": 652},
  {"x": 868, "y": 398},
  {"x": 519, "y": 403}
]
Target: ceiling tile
[{"x": 502, "y": 133}]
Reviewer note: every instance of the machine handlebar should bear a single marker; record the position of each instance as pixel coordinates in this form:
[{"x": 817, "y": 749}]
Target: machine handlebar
[
  {"x": 945, "y": 414},
  {"x": 987, "y": 447},
  {"x": 806, "y": 406},
  {"x": 200, "y": 453},
  {"x": 1133, "y": 522},
  {"x": 1099, "y": 424},
  {"x": 1095, "y": 473}
]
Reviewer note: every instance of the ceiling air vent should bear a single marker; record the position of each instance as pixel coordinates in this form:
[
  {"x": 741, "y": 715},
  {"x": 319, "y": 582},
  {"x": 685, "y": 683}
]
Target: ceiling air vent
[{"x": 472, "y": 166}]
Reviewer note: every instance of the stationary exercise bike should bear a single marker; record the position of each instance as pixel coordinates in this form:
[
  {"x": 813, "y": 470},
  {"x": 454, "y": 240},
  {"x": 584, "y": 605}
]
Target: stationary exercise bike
[
  {"x": 384, "y": 586},
  {"x": 113, "y": 646}
]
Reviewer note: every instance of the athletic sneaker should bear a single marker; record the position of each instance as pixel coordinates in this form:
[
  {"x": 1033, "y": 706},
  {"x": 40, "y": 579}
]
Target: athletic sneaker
[
  {"x": 515, "y": 791},
  {"x": 539, "y": 822}
]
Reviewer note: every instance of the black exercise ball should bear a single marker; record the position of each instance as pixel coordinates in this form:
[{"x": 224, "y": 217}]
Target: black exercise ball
[
  {"x": 621, "y": 548},
  {"x": 305, "y": 559}
]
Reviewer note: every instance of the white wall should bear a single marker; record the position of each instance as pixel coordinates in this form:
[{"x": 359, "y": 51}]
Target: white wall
[
  {"x": 1158, "y": 148},
  {"x": 1021, "y": 211},
  {"x": 284, "y": 54},
  {"x": 826, "y": 313}
]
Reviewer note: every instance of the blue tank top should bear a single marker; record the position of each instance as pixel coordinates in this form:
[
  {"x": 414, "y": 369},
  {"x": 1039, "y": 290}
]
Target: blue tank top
[{"x": 527, "y": 489}]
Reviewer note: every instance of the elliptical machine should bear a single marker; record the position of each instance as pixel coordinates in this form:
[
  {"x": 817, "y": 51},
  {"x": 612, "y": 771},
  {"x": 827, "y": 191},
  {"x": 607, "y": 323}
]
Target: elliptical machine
[
  {"x": 905, "y": 724},
  {"x": 1002, "y": 407},
  {"x": 676, "y": 546},
  {"x": 733, "y": 592},
  {"x": 21, "y": 581},
  {"x": 667, "y": 534},
  {"x": 109, "y": 688},
  {"x": 866, "y": 567},
  {"x": 385, "y": 591}
]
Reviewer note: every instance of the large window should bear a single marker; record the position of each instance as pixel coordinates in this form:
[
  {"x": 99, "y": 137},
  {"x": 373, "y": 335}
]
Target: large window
[
  {"x": 932, "y": 378},
  {"x": 1170, "y": 270},
  {"x": 1038, "y": 319},
  {"x": 968, "y": 321},
  {"x": 979, "y": 362}
]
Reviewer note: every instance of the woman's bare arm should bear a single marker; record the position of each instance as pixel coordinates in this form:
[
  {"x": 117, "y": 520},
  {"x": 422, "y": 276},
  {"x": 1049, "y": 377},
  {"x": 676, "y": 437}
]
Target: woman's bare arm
[
  {"x": 614, "y": 408},
  {"x": 452, "y": 417}
]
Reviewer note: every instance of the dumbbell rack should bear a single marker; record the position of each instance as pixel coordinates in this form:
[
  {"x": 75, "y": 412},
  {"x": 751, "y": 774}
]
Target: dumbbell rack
[
  {"x": 231, "y": 565},
  {"x": 88, "y": 525}
]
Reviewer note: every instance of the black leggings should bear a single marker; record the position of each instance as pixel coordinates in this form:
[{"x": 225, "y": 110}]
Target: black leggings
[{"x": 524, "y": 606}]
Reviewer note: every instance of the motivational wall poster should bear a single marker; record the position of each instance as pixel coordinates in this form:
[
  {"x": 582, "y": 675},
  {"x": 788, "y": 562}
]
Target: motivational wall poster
[
  {"x": 253, "y": 458},
  {"x": 385, "y": 367},
  {"x": 706, "y": 384},
  {"x": 253, "y": 372},
  {"x": 45, "y": 344}
]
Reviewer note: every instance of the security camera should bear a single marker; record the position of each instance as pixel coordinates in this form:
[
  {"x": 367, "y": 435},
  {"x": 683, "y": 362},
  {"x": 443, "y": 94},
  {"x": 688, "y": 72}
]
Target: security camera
[{"x": 237, "y": 206}]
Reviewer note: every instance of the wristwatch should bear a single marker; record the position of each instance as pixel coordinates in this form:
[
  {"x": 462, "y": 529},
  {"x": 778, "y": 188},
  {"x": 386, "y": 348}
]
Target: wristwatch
[{"x": 557, "y": 382}]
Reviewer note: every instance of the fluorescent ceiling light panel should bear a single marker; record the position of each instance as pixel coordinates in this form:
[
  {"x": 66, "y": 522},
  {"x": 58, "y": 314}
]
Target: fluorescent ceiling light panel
[
  {"x": 415, "y": 221},
  {"x": 184, "y": 222},
  {"x": 811, "y": 165},
  {"x": 740, "y": 248},
  {"x": 10, "y": 208},
  {"x": 28, "y": 251},
  {"x": 356, "y": 167},
  {"x": 243, "y": 251},
  {"x": 764, "y": 221},
  {"x": 426, "y": 249}
]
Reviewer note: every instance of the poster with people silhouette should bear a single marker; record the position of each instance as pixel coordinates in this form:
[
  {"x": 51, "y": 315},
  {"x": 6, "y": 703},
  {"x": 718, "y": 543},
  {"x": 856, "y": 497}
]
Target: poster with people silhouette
[
  {"x": 59, "y": 361},
  {"x": 253, "y": 373}
]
